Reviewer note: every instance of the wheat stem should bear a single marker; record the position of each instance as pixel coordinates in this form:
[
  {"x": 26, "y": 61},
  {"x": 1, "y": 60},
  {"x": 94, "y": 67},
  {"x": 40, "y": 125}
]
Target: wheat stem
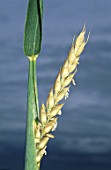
[{"x": 30, "y": 154}]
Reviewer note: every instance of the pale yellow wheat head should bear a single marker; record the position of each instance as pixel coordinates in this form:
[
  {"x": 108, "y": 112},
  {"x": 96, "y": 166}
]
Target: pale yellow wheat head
[{"x": 48, "y": 113}]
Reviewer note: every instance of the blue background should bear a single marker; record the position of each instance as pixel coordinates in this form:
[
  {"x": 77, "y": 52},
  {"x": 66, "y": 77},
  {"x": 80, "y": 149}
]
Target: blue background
[{"x": 83, "y": 136}]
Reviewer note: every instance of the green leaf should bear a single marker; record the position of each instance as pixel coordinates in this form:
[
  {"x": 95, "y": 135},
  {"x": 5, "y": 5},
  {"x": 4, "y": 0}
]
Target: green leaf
[{"x": 33, "y": 28}]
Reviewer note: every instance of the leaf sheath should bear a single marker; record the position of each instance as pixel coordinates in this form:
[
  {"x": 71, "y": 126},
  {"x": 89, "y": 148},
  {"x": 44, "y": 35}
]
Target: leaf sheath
[{"x": 33, "y": 28}]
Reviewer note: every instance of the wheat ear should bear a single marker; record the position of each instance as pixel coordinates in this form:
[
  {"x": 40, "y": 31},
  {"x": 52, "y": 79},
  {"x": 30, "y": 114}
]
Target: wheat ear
[{"x": 60, "y": 90}]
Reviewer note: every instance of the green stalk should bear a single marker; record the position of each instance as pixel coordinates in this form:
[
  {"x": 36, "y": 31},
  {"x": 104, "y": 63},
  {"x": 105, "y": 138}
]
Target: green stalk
[
  {"x": 32, "y": 113},
  {"x": 32, "y": 47},
  {"x": 36, "y": 90}
]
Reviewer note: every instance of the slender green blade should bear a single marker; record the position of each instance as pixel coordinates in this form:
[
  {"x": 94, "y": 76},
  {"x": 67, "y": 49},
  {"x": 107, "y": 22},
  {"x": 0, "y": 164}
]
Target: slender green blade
[{"x": 33, "y": 28}]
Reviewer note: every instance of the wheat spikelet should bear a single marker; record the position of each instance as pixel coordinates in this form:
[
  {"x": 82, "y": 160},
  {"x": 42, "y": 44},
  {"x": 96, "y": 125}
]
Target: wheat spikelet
[{"x": 60, "y": 90}]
